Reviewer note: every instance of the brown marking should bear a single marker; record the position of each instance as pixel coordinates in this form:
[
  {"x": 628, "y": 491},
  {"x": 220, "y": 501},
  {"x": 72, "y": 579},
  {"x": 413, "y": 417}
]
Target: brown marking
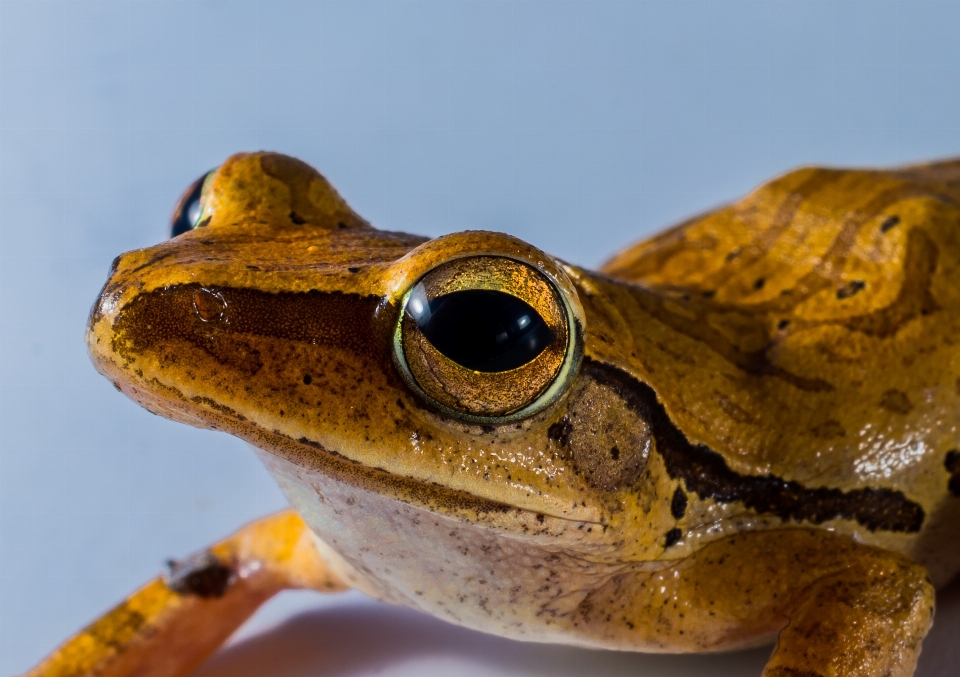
[
  {"x": 202, "y": 575},
  {"x": 731, "y": 409},
  {"x": 167, "y": 314},
  {"x": 116, "y": 629},
  {"x": 699, "y": 329},
  {"x": 705, "y": 472},
  {"x": 828, "y": 430},
  {"x": 896, "y": 401},
  {"x": 914, "y": 298}
]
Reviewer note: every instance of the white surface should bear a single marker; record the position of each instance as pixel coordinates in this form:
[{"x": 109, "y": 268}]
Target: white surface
[{"x": 576, "y": 126}]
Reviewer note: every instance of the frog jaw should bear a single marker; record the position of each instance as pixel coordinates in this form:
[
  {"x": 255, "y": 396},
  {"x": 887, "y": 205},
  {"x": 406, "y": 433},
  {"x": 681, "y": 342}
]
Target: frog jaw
[{"x": 311, "y": 370}]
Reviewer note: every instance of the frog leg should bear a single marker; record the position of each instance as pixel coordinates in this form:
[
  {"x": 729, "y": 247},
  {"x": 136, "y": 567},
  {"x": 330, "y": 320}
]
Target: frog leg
[
  {"x": 868, "y": 619},
  {"x": 836, "y": 607},
  {"x": 169, "y": 626}
]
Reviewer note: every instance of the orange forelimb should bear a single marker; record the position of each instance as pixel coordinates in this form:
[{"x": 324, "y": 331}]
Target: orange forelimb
[{"x": 172, "y": 624}]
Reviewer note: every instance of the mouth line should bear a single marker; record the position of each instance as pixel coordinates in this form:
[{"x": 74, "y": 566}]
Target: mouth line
[
  {"x": 437, "y": 498},
  {"x": 169, "y": 401},
  {"x": 485, "y": 505}
]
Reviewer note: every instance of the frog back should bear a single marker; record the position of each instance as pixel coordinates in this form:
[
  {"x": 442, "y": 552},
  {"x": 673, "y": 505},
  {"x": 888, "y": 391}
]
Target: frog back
[{"x": 811, "y": 332}]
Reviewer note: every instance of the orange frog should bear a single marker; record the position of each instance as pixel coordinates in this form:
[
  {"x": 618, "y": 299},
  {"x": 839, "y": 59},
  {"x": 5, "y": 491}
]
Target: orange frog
[{"x": 742, "y": 430}]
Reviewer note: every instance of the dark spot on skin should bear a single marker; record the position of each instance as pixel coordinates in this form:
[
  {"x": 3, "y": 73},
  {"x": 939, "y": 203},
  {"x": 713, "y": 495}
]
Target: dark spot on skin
[
  {"x": 560, "y": 431},
  {"x": 896, "y": 401},
  {"x": 759, "y": 283},
  {"x": 889, "y": 223},
  {"x": 783, "y": 324},
  {"x": 709, "y": 293},
  {"x": 202, "y": 575},
  {"x": 307, "y": 379},
  {"x": 705, "y": 472},
  {"x": 828, "y": 430},
  {"x": 341, "y": 224},
  {"x": 353, "y": 269},
  {"x": 850, "y": 288},
  {"x": 297, "y": 219},
  {"x": 678, "y": 506},
  {"x": 732, "y": 255},
  {"x": 540, "y": 518},
  {"x": 615, "y": 453},
  {"x": 672, "y": 538},
  {"x": 952, "y": 464},
  {"x": 734, "y": 411}
]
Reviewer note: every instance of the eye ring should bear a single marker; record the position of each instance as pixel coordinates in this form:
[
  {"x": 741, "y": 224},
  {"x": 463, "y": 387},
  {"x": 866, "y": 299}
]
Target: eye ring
[{"x": 512, "y": 377}]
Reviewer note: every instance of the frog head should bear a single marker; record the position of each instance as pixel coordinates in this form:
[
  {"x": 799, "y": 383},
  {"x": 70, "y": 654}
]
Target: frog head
[{"x": 444, "y": 373}]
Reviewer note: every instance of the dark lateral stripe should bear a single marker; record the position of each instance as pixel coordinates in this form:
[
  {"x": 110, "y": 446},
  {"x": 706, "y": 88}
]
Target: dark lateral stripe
[{"x": 705, "y": 472}]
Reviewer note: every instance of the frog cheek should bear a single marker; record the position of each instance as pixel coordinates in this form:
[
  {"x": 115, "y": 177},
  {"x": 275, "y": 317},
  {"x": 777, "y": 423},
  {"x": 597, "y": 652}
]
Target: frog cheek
[{"x": 487, "y": 339}]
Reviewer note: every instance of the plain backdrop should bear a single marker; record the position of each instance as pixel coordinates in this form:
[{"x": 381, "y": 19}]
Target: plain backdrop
[{"x": 578, "y": 126}]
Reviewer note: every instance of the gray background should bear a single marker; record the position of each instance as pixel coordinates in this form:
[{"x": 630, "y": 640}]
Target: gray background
[{"x": 577, "y": 126}]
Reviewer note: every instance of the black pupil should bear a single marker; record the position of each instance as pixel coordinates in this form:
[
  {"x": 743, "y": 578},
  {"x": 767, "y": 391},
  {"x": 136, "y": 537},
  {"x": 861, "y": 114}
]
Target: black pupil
[
  {"x": 481, "y": 329},
  {"x": 188, "y": 212}
]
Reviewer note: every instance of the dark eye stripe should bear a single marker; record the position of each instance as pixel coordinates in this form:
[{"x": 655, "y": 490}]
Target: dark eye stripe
[{"x": 483, "y": 330}]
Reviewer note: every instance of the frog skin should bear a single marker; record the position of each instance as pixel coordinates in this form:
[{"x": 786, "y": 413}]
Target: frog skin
[{"x": 744, "y": 429}]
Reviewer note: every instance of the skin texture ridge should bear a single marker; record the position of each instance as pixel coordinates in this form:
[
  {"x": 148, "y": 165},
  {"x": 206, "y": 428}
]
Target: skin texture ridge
[{"x": 745, "y": 428}]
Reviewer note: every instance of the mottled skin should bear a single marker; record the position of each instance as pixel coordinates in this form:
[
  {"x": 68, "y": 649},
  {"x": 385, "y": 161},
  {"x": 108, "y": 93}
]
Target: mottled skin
[{"x": 760, "y": 438}]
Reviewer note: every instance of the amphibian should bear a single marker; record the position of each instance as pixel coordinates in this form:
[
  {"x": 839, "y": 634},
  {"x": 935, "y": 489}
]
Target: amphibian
[{"x": 743, "y": 429}]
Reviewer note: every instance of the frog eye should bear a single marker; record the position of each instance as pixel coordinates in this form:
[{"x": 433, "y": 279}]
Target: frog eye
[
  {"x": 189, "y": 208},
  {"x": 486, "y": 338}
]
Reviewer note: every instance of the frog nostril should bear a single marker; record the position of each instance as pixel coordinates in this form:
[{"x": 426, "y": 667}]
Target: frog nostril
[{"x": 208, "y": 304}]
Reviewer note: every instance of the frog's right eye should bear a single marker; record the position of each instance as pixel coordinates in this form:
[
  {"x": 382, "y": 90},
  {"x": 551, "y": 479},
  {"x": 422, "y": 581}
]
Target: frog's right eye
[
  {"x": 189, "y": 208},
  {"x": 487, "y": 339}
]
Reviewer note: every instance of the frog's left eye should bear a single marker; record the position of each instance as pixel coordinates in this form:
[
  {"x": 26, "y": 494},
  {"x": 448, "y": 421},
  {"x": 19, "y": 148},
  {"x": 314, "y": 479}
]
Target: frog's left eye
[
  {"x": 486, "y": 338},
  {"x": 189, "y": 208}
]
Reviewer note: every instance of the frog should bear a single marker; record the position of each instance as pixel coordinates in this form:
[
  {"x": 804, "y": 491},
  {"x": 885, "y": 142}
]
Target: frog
[{"x": 738, "y": 432}]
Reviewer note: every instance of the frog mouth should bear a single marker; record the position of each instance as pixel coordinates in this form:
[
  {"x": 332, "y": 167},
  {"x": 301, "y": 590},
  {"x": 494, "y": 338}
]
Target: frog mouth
[{"x": 306, "y": 456}]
